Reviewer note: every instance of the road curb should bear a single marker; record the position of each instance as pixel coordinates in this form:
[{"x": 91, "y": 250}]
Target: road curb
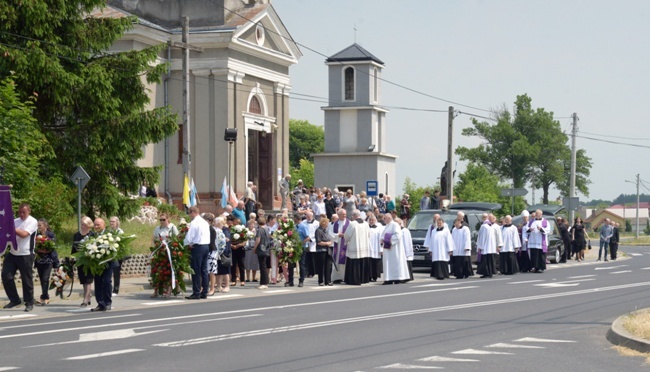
[{"x": 618, "y": 335}]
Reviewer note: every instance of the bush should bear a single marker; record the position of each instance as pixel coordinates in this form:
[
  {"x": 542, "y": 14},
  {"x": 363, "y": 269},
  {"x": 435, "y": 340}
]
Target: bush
[{"x": 51, "y": 200}]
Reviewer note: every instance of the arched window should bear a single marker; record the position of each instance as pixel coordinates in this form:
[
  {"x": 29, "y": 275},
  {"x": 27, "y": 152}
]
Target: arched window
[
  {"x": 349, "y": 84},
  {"x": 254, "y": 107}
]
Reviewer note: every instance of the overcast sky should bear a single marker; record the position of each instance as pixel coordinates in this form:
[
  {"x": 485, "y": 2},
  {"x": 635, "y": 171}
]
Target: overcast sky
[{"x": 588, "y": 57}]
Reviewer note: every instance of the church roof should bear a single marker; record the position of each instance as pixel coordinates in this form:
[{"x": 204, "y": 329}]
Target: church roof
[{"x": 354, "y": 53}]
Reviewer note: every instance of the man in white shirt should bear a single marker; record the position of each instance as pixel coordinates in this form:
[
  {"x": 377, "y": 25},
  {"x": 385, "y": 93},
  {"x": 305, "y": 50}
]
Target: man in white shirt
[
  {"x": 21, "y": 258},
  {"x": 198, "y": 238}
]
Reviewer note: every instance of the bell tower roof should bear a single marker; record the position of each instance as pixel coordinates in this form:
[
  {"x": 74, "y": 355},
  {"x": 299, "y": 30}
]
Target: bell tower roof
[{"x": 354, "y": 53}]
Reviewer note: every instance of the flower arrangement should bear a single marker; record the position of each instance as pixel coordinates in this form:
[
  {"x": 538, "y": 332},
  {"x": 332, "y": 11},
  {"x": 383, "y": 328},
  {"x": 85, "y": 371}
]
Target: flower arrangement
[
  {"x": 96, "y": 252},
  {"x": 44, "y": 246},
  {"x": 240, "y": 234},
  {"x": 161, "y": 269},
  {"x": 62, "y": 279},
  {"x": 287, "y": 244}
]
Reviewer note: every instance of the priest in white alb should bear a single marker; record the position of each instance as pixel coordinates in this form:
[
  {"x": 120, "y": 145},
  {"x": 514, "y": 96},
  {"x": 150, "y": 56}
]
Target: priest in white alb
[
  {"x": 486, "y": 245},
  {"x": 357, "y": 264},
  {"x": 538, "y": 230},
  {"x": 441, "y": 246},
  {"x": 461, "y": 261},
  {"x": 376, "y": 230},
  {"x": 511, "y": 245},
  {"x": 394, "y": 258}
]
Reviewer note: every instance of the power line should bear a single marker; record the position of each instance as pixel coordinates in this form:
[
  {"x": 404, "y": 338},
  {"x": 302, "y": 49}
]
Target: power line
[
  {"x": 614, "y": 142},
  {"x": 609, "y": 135}
]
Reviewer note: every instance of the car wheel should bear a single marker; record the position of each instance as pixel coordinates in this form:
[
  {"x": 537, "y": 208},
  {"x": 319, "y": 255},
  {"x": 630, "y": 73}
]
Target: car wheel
[{"x": 557, "y": 257}]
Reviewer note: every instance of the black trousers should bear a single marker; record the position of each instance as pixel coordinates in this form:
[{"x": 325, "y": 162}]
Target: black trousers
[
  {"x": 613, "y": 248},
  {"x": 238, "y": 256},
  {"x": 323, "y": 267},
  {"x": 44, "y": 273},
  {"x": 103, "y": 287},
  {"x": 264, "y": 271},
  {"x": 23, "y": 264}
]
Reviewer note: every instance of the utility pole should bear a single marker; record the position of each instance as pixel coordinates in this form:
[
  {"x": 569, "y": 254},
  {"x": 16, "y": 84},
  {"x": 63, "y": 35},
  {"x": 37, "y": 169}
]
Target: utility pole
[
  {"x": 450, "y": 155},
  {"x": 572, "y": 180},
  {"x": 532, "y": 187},
  {"x": 638, "y": 180},
  {"x": 186, "y": 47}
]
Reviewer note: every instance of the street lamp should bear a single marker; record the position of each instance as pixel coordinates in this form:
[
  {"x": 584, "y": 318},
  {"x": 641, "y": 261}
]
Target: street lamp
[{"x": 230, "y": 136}]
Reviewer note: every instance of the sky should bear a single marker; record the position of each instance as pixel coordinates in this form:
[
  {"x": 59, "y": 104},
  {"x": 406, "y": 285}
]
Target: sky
[{"x": 570, "y": 56}]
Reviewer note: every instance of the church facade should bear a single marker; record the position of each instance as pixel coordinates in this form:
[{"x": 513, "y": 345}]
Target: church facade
[
  {"x": 239, "y": 78},
  {"x": 355, "y": 125}
]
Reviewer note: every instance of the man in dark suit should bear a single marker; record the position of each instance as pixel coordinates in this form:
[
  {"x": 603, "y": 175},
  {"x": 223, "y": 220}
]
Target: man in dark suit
[
  {"x": 563, "y": 226},
  {"x": 103, "y": 282},
  {"x": 613, "y": 242}
]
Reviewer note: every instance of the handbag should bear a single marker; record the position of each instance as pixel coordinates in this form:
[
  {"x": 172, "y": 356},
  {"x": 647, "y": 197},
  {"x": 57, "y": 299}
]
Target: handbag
[
  {"x": 589, "y": 244},
  {"x": 225, "y": 260}
]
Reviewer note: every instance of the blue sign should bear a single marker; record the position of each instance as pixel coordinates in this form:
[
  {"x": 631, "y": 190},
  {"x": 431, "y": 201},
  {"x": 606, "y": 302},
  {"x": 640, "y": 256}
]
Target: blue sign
[
  {"x": 7, "y": 227},
  {"x": 371, "y": 188}
]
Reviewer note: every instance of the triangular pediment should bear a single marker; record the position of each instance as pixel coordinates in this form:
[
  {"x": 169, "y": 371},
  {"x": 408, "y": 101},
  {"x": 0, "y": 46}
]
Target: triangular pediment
[{"x": 265, "y": 34}]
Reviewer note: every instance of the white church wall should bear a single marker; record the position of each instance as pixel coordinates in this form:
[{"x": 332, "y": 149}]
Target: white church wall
[{"x": 348, "y": 130}]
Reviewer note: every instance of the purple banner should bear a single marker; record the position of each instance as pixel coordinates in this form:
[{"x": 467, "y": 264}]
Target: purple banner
[{"x": 7, "y": 227}]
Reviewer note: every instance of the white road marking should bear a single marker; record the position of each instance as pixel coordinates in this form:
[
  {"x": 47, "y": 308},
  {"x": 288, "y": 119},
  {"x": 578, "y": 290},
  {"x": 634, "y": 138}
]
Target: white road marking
[
  {"x": 610, "y": 267},
  {"x": 445, "y": 359},
  {"x": 515, "y": 346},
  {"x": 581, "y": 276},
  {"x": 480, "y": 352},
  {"x": 102, "y": 336},
  {"x": 527, "y": 281},
  {"x": 407, "y": 366},
  {"x": 67, "y": 321},
  {"x": 82, "y": 310},
  {"x": 646, "y": 268},
  {"x": 557, "y": 285},
  {"x": 157, "y": 303},
  {"x": 533, "y": 339},
  {"x": 223, "y": 297},
  {"x": 108, "y": 353},
  {"x": 621, "y": 272},
  {"x": 635, "y": 254},
  {"x": 17, "y": 316},
  {"x": 383, "y": 316},
  {"x": 275, "y": 291},
  {"x": 455, "y": 283},
  {"x": 9, "y": 368}
]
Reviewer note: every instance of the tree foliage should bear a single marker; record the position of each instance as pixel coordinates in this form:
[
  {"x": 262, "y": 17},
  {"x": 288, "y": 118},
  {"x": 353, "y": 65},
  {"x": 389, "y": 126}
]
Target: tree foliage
[
  {"x": 415, "y": 193},
  {"x": 530, "y": 143},
  {"x": 304, "y": 139},
  {"x": 92, "y": 105},
  {"x": 304, "y": 172}
]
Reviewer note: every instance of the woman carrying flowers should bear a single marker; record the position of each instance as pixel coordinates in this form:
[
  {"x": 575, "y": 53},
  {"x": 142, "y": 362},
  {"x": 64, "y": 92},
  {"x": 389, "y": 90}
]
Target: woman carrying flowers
[
  {"x": 46, "y": 258},
  {"x": 161, "y": 269},
  {"x": 85, "y": 279},
  {"x": 219, "y": 273}
]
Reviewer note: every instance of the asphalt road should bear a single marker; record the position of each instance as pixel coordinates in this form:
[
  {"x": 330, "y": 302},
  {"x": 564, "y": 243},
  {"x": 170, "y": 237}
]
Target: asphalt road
[{"x": 537, "y": 322}]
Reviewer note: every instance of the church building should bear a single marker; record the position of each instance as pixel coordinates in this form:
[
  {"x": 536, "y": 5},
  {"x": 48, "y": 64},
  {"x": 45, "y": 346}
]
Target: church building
[
  {"x": 240, "y": 54},
  {"x": 355, "y": 126}
]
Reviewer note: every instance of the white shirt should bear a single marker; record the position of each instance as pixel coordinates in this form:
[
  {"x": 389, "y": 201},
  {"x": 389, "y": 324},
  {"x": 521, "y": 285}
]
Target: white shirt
[
  {"x": 440, "y": 244},
  {"x": 311, "y": 230},
  {"x": 511, "y": 240},
  {"x": 487, "y": 239},
  {"x": 25, "y": 245},
  {"x": 537, "y": 233},
  {"x": 376, "y": 234},
  {"x": 198, "y": 233},
  {"x": 462, "y": 241}
]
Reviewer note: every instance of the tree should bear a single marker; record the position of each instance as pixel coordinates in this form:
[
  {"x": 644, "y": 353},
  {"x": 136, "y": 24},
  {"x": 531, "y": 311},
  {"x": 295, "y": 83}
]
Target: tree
[
  {"x": 628, "y": 225},
  {"x": 583, "y": 169},
  {"x": 92, "y": 105},
  {"x": 415, "y": 193},
  {"x": 478, "y": 184},
  {"x": 515, "y": 148},
  {"x": 304, "y": 139},
  {"x": 304, "y": 172}
]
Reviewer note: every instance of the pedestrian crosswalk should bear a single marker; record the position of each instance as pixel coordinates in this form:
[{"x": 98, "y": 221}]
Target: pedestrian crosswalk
[{"x": 486, "y": 353}]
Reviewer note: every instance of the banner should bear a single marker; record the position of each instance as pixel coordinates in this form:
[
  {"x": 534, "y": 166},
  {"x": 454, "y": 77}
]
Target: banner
[
  {"x": 186, "y": 191},
  {"x": 224, "y": 193},
  {"x": 7, "y": 227}
]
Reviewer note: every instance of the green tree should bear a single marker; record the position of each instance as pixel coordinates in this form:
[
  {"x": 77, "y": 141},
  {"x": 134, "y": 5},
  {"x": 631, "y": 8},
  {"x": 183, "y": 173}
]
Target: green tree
[
  {"x": 92, "y": 105},
  {"x": 628, "y": 225},
  {"x": 478, "y": 184},
  {"x": 415, "y": 194},
  {"x": 304, "y": 172},
  {"x": 583, "y": 169},
  {"x": 304, "y": 139},
  {"x": 530, "y": 143}
]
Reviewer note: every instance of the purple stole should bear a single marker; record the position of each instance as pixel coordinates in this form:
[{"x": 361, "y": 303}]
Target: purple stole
[
  {"x": 343, "y": 247},
  {"x": 544, "y": 224}
]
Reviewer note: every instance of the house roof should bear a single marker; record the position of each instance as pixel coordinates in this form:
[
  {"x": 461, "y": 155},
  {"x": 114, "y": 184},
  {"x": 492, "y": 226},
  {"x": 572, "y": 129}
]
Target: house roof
[{"x": 354, "y": 53}]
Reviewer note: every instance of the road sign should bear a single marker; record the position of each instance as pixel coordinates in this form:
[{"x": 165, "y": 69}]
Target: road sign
[
  {"x": 371, "y": 188},
  {"x": 571, "y": 204},
  {"x": 514, "y": 192},
  {"x": 80, "y": 177}
]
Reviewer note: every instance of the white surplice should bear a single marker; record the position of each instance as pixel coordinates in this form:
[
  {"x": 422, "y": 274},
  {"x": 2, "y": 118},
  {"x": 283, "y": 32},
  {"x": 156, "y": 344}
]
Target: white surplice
[
  {"x": 357, "y": 237},
  {"x": 376, "y": 234},
  {"x": 394, "y": 258},
  {"x": 511, "y": 240},
  {"x": 440, "y": 244},
  {"x": 462, "y": 241},
  {"x": 487, "y": 239},
  {"x": 537, "y": 232}
]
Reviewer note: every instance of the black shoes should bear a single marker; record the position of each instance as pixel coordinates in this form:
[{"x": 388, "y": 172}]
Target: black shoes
[
  {"x": 100, "y": 308},
  {"x": 29, "y": 307},
  {"x": 203, "y": 296},
  {"x": 192, "y": 297},
  {"x": 12, "y": 304},
  {"x": 300, "y": 284}
]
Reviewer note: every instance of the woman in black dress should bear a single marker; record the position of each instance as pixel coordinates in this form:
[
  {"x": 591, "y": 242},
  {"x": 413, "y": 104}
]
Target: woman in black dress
[
  {"x": 579, "y": 238},
  {"x": 79, "y": 236}
]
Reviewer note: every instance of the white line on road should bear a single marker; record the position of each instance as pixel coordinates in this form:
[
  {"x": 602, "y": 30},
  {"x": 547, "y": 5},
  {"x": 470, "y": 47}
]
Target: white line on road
[
  {"x": 533, "y": 339},
  {"x": 275, "y": 291},
  {"x": 108, "y": 353},
  {"x": 515, "y": 346},
  {"x": 480, "y": 352},
  {"x": 445, "y": 359},
  {"x": 67, "y": 321},
  {"x": 610, "y": 267},
  {"x": 82, "y": 310},
  {"x": 646, "y": 268},
  {"x": 636, "y": 254},
  {"x": 454, "y": 283},
  {"x": 9, "y": 368},
  {"x": 297, "y": 327},
  {"x": 223, "y": 297},
  {"x": 17, "y": 316},
  {"x": 407, "y": 366},
  {"x": 158, "y": 303},
  {"x": 621, "y": 272},
  {"x": 582, "y": 276},
  {"x": 102, "y": 336},
  {"x": 527, "y": 281}
]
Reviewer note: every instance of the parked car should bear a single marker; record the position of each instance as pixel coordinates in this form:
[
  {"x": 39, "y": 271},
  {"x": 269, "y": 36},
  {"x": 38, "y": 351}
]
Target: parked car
[
  {"x": 555, "y": 245},
  {"x": 420, "y": 222}
]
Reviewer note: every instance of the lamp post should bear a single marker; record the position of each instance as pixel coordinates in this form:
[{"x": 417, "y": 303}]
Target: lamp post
[{"x": 230, "y": 136}]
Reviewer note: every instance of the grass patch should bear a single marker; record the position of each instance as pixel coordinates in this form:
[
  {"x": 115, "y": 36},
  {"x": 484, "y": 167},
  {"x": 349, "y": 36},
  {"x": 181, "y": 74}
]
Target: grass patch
[
  {"x": 143, "y": 232},
  {"x": 624, "y": 351},
  {"x": 638, "y": 324}
]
